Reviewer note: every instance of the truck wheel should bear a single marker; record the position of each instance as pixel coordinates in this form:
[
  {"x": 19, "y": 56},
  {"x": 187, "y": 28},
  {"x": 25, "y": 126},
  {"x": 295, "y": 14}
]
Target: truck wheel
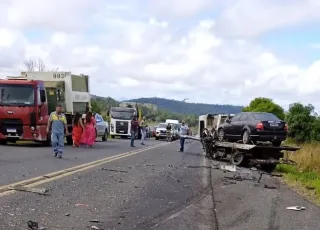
[
  {"x": 105, "y": 135},
  {"x": 246, "y": 137},
  {"x": 3, "y": 142},
  {"x": 237, "y": 159},
  {"x": 221, "y": 135},
  {"x": 69, "y": 140}
]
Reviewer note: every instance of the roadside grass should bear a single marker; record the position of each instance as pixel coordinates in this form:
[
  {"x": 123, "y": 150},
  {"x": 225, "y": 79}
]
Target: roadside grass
[{"x": 305, "y": 175}]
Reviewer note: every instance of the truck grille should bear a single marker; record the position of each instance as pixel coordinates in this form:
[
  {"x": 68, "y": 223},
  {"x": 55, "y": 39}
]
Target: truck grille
[
  {"x": 122, "y": 127},
  {"x": 11, "y": 124}
]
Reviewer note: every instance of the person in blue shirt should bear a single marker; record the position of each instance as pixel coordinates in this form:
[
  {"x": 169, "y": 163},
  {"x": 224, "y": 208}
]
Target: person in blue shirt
[
  {"x": 58, "y": 124},
  {"x": 184, "y": 129}
]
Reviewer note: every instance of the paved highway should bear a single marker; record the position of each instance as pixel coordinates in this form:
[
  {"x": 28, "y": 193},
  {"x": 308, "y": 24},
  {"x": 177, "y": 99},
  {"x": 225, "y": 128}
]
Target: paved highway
[{"x": 152, "y": 187}]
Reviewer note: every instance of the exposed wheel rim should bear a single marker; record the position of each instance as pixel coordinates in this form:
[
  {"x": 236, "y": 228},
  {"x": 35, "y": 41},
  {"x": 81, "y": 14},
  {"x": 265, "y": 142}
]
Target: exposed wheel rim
[
  {"x": 221, "y": 135},
  {"x": 245, "y": 137},
  {"x": 237, "y": 158}
]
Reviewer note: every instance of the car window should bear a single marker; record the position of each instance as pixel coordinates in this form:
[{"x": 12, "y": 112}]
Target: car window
[
  {"x": 98, "y": 118},
  {"x": 236, "y": 117},
  {"x": 250, "y": 118},
  {"x": 243, "y": 117},
  {"x": 265, "y": 117}
]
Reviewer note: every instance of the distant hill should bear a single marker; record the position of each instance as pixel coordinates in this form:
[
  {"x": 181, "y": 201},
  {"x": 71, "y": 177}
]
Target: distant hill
[{"x": 188, "y": 108}]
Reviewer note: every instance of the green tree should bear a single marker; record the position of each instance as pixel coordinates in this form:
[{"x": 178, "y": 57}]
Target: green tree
[
  {"x": 96, "y": 107},
  {"x": 303, "y": 125},
  {"x": 262, "y": 104}
]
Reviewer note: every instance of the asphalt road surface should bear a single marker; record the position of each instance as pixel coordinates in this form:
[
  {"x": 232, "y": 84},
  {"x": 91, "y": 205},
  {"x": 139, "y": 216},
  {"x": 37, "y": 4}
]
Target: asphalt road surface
[{"x": 152, "y": 187}]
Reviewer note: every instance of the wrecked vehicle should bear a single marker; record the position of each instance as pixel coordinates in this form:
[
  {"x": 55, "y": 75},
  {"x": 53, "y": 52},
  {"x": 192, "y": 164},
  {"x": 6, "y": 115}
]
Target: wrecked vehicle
[{"x": 265, "y": 155}]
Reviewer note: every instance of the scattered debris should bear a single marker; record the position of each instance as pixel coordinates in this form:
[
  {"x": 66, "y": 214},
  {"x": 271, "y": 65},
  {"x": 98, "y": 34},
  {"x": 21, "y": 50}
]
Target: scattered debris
[
  {"x": 67, "y": 214},
  {"x": 136, "y": 186},
  {"x": 122, "y": 217},
  {"x": 114, "y": 170},
  {"x": 203, "y": 166},
  {"x": 121, "y": 181},
  {"x": 276, "y": 175},
  {"x": 77, "y": 205},
  {"x": 230, "y": 168},
  {"x": 40, "y": 191},
  {"x": 170, "y": 166},
  {"x": 34, "y": 225},
  {"x": 269, "y": 186},
  {"x": 254, "y": 169},
  {"x": 149, "y": 165},
  {"x": 94, "y": 221},
  {"x": 296, "y": 208},
  {"x": 95, "y": 227}
]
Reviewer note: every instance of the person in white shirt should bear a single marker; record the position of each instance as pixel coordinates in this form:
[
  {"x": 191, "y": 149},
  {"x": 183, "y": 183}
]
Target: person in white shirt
[{"x": 183, "y": 131}]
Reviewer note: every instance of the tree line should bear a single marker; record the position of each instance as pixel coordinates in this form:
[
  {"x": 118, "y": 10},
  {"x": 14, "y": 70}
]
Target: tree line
[
  {"x": 302, "y": 120},
  {"x": 102, "y": 106}
]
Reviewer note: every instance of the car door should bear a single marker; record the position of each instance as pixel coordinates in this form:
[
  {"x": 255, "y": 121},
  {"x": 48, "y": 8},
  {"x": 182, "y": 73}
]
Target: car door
[
  {"x": 100, "y": 126},
  {"x": 230, "y": 128},
  {"x": 239, "y": 125}
]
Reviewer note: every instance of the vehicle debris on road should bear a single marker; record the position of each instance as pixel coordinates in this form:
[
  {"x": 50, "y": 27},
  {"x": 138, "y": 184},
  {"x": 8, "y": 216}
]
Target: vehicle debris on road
[
  {"x": 40, "y": 191},
  {"x": 296, "y": 208},
  {"x": 114, "y": 170}
]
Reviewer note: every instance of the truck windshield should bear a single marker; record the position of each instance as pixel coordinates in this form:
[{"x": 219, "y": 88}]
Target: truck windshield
[
  {"x": 121, "y": 115},
  {"x": 16, "y": 94}
]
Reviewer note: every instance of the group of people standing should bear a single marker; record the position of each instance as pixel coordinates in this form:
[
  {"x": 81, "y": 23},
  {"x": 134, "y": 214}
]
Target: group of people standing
[
  {"x": 83, "y": 132},
  {"x": 135, "y": 125}
]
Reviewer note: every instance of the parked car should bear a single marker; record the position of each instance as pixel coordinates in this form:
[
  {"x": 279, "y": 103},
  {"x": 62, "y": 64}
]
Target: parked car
[
  {"x": 161, "y": 131},
  {"x": 102, "y": 127},
  {"x": 253, "y": 126}
]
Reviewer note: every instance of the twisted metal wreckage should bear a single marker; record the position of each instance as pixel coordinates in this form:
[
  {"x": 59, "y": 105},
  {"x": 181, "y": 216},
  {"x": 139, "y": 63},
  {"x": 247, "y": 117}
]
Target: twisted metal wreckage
[{"x": 262, "y": 155}]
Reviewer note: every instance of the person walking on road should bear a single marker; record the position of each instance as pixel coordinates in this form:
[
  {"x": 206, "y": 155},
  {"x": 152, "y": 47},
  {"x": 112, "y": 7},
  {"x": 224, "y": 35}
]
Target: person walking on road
[
  {"x": 168, "y": 132},
  {"x": 143, "y": 129},
  {"x": 89, "y": 133},
  {"x": 184, "y": 129},
  {"x": 57, "y": 125},
  {"x": 134, "y": 129},
  {"x": 77, "y": 129}
]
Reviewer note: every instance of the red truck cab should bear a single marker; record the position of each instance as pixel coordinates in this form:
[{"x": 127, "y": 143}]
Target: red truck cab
[{"x": 23, "y": 111}]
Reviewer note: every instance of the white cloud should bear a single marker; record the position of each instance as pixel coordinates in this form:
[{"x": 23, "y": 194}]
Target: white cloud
[
  {"x": 247, "y": 18},
  {"x": 129, "y": 53}
]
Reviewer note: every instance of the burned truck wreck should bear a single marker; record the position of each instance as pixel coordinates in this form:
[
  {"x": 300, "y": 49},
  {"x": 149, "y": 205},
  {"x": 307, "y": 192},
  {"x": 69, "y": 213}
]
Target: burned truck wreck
[{"x": 263, "y": 155}]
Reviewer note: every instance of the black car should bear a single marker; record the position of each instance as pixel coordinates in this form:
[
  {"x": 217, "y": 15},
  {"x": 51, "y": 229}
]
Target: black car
[{"x": 252, "y": 127}]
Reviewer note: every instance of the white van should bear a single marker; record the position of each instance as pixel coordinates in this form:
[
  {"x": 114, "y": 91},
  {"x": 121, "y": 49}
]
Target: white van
[{"x": 172, "y": 121}]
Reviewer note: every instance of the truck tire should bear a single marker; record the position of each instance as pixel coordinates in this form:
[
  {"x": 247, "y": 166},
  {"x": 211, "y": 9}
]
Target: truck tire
[
  {"x": 3, "y": 142},
  {"x": 69, "y": 140},
  {"x": 105, "y": 135},
  {"x": 237, "y": 158}
]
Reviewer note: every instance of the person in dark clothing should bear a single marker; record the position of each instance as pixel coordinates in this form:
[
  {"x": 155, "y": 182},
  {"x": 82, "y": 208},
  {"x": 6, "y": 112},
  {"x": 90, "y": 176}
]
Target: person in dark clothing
[
  {"x": 134, "y": 129},
  {"x": 169, "y": 132}
]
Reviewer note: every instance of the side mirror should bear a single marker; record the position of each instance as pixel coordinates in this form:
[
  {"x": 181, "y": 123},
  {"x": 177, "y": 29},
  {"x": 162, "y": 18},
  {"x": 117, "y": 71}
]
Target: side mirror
[{"x": 228, "y": 120}]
